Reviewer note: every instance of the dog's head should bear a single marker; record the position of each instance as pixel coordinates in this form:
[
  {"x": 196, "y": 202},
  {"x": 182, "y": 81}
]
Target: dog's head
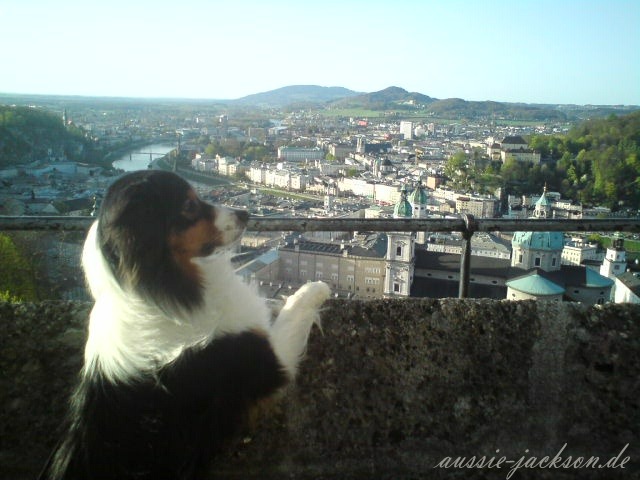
[{"x": 151, "y": 228}]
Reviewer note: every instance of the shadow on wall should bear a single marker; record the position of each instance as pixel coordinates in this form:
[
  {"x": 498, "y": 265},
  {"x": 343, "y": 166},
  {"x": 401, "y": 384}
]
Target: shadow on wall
[{"x": 390, "y": 390}]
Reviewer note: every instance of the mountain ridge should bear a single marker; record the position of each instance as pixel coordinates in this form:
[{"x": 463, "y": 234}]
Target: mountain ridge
[
  {"x": 398, "y": 100},
  {"x": 292, "y": 94}
]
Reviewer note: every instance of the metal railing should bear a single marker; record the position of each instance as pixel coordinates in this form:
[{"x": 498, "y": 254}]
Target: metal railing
[{"x": 467, "y": 225}]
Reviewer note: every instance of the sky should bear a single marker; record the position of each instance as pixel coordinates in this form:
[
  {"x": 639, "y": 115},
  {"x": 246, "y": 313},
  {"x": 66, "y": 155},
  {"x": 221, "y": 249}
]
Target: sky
[{"x": 531, "y": 51}]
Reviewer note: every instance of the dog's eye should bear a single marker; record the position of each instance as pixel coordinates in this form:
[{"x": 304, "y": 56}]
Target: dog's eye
[{"x": 190, "y": 208}]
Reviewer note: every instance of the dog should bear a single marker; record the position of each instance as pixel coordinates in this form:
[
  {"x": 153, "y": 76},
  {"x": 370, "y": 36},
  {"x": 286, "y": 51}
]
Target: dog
[{"x": 179, "y": 348}]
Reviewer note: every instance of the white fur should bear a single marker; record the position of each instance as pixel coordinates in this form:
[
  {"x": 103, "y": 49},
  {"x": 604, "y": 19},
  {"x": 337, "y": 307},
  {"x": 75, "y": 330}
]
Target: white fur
[{"x": 128, "y": 336}]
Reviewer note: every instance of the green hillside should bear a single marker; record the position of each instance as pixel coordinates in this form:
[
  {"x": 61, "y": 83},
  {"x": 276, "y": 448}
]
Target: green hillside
[{"x": 28, "y": 134}]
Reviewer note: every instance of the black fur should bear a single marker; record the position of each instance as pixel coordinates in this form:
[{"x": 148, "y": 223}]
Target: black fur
[{"x": 165, "y": 427}]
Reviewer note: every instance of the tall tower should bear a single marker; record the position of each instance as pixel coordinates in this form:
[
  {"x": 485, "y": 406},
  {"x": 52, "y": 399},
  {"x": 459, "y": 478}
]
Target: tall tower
[
  {"x": 418, "y": 201},
  {"x": 400, "y": 256},
  {"x": 406, "y": 129},
  {"x": 223, "y": 120},
  {"x": 615, "y": 260}
]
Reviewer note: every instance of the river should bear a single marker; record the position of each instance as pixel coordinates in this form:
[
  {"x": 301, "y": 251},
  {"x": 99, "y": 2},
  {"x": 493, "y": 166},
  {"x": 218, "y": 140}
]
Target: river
[{"x": 139, "y": 158}]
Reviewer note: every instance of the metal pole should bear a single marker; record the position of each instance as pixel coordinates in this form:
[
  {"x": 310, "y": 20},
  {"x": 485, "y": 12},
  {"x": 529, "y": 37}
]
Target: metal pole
[{"x": 465, "y": 258}]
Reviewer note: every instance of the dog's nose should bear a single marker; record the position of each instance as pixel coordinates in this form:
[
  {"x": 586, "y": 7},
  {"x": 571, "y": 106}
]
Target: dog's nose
[{"x": 243, "y": 216}]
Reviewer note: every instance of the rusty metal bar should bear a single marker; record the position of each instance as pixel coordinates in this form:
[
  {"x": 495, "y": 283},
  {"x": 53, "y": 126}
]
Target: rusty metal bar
[
  {"x": 301, "y": 224},
  {"x": 468, "y": 225}
]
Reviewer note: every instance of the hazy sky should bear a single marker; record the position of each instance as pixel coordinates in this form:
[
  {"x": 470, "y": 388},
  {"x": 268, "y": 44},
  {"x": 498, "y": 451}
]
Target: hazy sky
[{"x": 546, "y": 51}]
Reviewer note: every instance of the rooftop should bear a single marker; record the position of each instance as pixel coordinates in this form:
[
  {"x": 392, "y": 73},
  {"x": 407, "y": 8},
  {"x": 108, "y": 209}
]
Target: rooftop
[{"x": 535, "y": 284}]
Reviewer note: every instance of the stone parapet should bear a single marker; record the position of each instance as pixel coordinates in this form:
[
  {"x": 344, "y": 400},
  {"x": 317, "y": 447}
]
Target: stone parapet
[{"x": 388, "y": 390}]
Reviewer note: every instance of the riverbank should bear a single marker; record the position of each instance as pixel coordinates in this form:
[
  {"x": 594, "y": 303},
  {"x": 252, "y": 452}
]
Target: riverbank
[{"x": 163, "y": 163}]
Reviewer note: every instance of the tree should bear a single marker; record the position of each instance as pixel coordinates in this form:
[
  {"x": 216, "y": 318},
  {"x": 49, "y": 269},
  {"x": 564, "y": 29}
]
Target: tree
[
  {"x": 457, "y": 169},
  {"x": 17, "y": 280}
]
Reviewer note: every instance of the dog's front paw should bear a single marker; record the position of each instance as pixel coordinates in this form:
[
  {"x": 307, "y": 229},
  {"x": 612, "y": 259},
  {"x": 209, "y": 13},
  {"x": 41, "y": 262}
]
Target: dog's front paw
[{"x": 312, "y": 294}]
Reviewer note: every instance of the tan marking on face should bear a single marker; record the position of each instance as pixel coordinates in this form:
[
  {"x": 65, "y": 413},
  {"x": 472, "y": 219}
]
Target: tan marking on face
[{"x": 196, "y": 241}]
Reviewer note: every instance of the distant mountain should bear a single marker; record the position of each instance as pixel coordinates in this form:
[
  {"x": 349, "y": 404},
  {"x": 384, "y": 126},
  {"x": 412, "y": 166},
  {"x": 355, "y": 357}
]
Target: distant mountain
[
  {"x": 458, "y": 108},
  {"x": 399, "y": 100},
  {"x": 296, "y": 94},
  {"x": 389, "y": 98}
]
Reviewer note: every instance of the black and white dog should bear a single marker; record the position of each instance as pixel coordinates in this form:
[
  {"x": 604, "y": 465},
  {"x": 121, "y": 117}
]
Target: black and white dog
[{"x": 179, "y": 348}]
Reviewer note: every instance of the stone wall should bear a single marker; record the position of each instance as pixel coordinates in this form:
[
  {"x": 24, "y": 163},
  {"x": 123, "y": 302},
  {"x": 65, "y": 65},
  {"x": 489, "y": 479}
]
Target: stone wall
[{"x": 389, "y": 390}]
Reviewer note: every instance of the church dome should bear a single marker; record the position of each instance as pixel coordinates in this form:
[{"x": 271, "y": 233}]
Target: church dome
[
  {"x": 539, "y": 240},
  {"x": 403, "y": 207},
  {"x": 536, "y": 285},
  {"x": 543, "y": 201},
  {"x": 418, "y": 196}
]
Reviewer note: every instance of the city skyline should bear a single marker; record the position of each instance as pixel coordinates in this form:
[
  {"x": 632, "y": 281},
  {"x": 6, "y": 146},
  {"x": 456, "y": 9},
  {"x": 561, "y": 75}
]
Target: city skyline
[{"x": 568, "y": 52}]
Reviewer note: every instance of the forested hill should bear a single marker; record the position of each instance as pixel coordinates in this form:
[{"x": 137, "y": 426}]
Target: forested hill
[
  {"x": 598, "y": 161},
  {"x": 27, "y": 134}
]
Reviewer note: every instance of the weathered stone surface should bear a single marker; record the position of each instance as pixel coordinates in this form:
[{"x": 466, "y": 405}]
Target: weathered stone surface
[{"x": 387, "y": 391}]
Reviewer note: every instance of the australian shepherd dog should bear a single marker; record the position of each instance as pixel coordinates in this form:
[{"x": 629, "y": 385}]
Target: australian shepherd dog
[{"x": 178, "y": 348}]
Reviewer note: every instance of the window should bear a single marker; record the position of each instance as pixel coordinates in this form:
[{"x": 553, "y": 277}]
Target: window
[
  {"x": 399, "y": 251},
  {"x": 537, "y": 262},
  {"x": 520, "y": 258},
  {"x": 396, "y": 287},
  {"x": 553, "y": 262}
]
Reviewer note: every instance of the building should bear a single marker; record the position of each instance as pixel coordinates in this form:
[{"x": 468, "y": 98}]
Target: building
[
  {"x": 515, "y": 147},
  {"x": 300, "y": 154},
  {"x": 577, "y": 252},
  {"x": 627, "y": 288},
  {"x": 480, "y": 207},
  {"x": 400, "y": 255},
  {"x": 355, "y": 268},
  {"x": 540, "y": 255},
  {"x": 406, "y": 129},
  {"x": 534, "y": 286},
  {"x": 341, "y": 151},
  {"x": 515, "y": 142},
  {"x": 615, "y": 260}
]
